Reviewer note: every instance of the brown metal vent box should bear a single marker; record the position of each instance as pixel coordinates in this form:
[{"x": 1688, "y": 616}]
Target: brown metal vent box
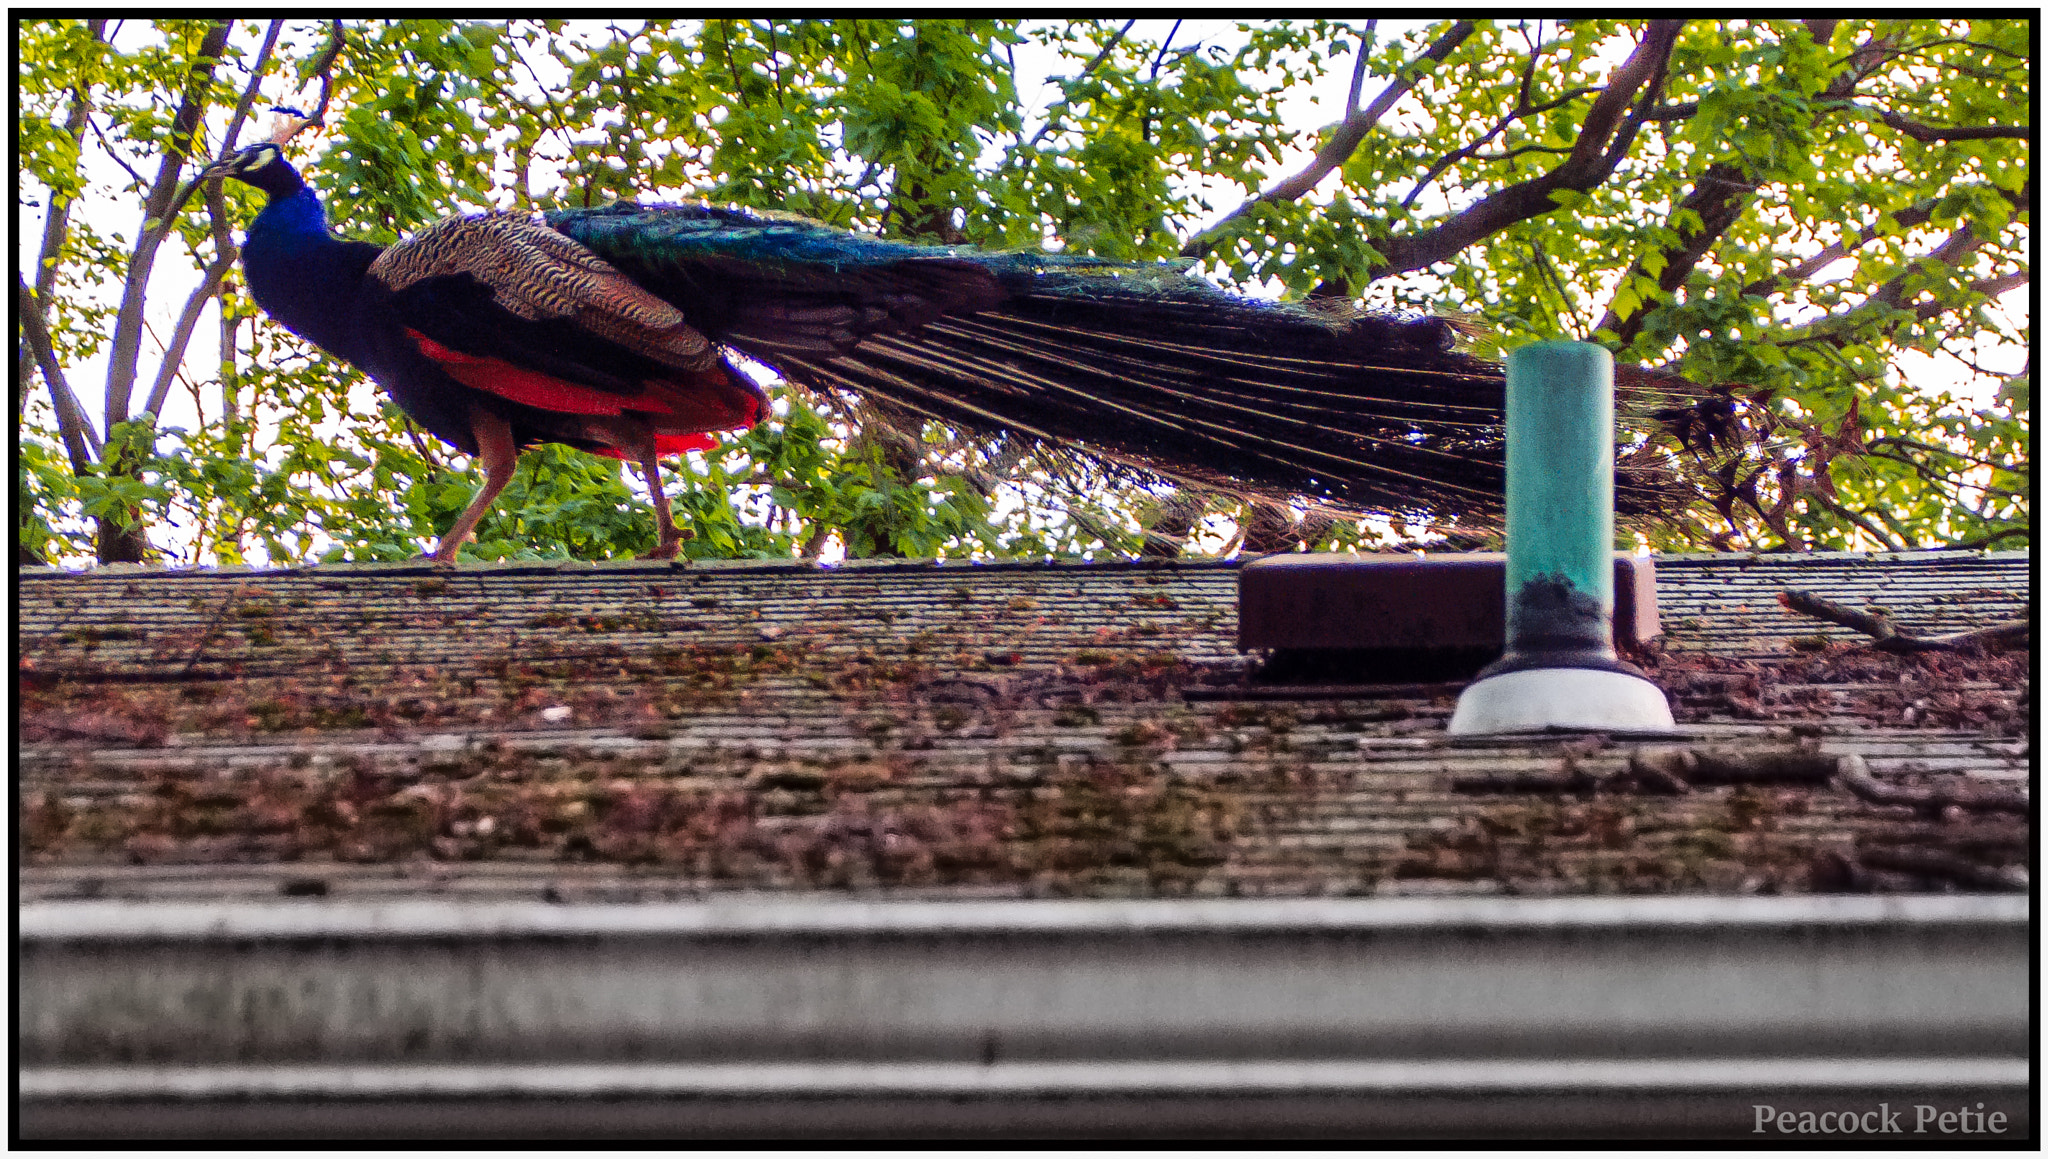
[{"x": 1308, "y": 601}]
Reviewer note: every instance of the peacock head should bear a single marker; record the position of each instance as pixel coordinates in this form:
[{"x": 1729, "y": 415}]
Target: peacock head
[{"x": 262, "y": 165}]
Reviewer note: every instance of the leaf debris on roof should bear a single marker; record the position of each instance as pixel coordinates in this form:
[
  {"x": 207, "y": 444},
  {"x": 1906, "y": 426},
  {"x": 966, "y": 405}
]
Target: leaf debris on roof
[{"x": 1055, "y": 730}]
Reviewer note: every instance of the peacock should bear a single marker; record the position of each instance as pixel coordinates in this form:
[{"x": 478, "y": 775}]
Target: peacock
[{"x": 613, "y": 330}]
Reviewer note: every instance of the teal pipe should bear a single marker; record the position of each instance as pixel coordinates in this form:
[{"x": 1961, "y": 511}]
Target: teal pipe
[{"x": 1560, "y": 454}]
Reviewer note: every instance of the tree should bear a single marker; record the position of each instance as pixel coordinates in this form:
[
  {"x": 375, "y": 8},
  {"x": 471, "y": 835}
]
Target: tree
[{"x": 1786, "y": 211}]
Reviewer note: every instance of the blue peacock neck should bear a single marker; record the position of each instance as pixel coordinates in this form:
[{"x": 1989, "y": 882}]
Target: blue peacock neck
[{"x": 300, "y": 273}]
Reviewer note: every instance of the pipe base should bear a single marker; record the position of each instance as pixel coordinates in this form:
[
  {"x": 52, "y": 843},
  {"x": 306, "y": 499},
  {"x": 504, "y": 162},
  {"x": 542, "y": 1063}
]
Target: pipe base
[{"x": 1539, "y": 698}]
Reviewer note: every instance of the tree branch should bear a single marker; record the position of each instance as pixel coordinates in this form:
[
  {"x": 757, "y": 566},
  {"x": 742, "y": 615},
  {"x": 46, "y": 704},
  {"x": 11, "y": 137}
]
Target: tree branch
[
  {"x": 1953, "y": 248},
  {"x": 1854, "y": 775},
  {"x": 81, "y": 442},
  {"x": 1343, "y": 142},
  {"x": 1360, "y": 66},
  {"x": 1886, "y": 636},
  {"x": 814, "y": 546},
  {"x": 227, "y": 143},
  {"x": 156, "y": 222},
  {"x": 188, "y": 320},
  {"x": 1521, "y": 150},
  {"x": 1989, "y": 287},
  {"x": 1983, "y": 541},
  {"x": 1160, "y": 57},
  {"x": 1912, "y": 217},
  {"x": 1927, "y": 134},
  {"x": 56, "y": 227},
  {"x": 1683, "y": 111},
  {"x": 1603, "y": 140},
  {"x": 225, "y": 252},
  {"x": 1719, "y": 196},
  {"x": 1830, "y": 329},
  {"x": 248, "y": 98}
]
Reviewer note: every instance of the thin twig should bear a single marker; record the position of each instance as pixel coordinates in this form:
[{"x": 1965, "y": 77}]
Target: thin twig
[
  {"x": 775, "y": 63},
  {"x": 1360, "y": 66},
  {"x": 188, "y": 320},
  {"x": 1915, "y": 444},
  {"x": 323, "y": 67},
  {"x": 1951, "y": 489},
  {"x": 1854, "y": 775},
  {"x": 1050, "y": 120},
  {"x": 1877, "y": 533},
  {"x": 434, "y": 465},
  {"x": 1342, "y": 143},
  {"x": 1160, "y": 58},
  {"x": 141, "y": 182},
  {"x": 1927, "y": 134},
  {"x": 1472, "y": 150}
]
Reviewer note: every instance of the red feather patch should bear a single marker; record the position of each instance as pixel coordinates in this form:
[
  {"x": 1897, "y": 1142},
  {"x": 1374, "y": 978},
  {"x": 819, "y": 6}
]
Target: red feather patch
[
  {"x": 664, "y": 446},
  {"x": 505, "y": 380},
  {"x": 712, "y": 402}
]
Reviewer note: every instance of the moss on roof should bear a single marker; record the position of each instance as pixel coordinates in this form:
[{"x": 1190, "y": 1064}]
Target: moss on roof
[{"x": 1012, "y": 729}]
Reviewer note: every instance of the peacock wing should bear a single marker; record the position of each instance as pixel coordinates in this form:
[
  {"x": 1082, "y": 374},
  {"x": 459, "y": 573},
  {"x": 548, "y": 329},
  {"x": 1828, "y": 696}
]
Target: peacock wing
[{"x": 506, "y": 305}]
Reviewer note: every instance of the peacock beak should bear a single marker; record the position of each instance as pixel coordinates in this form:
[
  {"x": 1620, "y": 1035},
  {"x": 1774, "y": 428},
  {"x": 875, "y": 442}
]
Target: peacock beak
[{"x": 220, "y": 168}]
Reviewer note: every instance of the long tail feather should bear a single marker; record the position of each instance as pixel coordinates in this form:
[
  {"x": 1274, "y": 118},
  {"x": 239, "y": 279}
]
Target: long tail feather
[
  {"x": 1137, "y": 365},
  {"x": 1193, "y": 387}
]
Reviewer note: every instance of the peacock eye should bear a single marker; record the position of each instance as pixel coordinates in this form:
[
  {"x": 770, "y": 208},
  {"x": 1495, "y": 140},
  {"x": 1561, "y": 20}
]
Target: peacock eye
[{"x": 258, "y": 160}]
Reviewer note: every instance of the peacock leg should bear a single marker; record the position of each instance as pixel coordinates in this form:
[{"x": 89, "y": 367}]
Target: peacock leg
[
  {"x": 669, "y": 540},
  {"x": 501, "y": 458}
]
